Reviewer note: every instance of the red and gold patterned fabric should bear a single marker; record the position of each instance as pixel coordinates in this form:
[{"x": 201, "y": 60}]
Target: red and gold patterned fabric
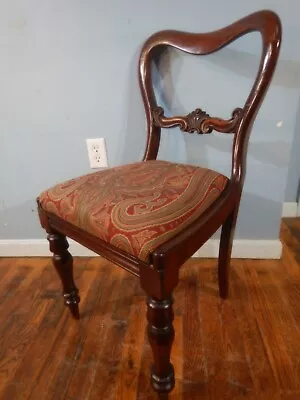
[{"x": 136, "y": 207}]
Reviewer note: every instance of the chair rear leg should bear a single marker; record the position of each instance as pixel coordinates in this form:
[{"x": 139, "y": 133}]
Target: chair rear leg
[
  {"x": 225, "y": 252},
  {"x": 63, "y": 263},
  {"x": 161, "y": 335}
]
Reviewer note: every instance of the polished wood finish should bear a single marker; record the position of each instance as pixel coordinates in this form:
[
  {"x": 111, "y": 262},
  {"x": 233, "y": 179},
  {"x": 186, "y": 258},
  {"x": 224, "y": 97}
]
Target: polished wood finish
[
  {"x": 63, "y": 263},
  {"x": 243, "y": 348},
  {"x": 197, "y": 121},
  {"x": 160, "y": 277},
  {"x": 161, "y": 335},
  {"x": 225, "y": 248}
]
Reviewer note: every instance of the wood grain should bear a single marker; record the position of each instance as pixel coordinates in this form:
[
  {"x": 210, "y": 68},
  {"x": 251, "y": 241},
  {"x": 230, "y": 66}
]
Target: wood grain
[{"x": 244, "y": 347}]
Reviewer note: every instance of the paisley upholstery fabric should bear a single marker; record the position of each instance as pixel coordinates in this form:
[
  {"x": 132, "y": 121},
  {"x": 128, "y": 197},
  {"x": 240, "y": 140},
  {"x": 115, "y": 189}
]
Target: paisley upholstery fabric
[{"x": 136, "y": 207}]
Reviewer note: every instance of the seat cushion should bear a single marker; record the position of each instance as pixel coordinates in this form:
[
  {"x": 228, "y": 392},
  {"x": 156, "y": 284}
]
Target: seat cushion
[{"x": 136, "y": 207}]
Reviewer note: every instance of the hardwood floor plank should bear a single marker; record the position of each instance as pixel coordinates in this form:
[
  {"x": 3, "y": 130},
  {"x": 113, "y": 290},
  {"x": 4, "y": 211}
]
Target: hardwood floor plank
[
  {"x": 145, "y": 391},
  {"x": 244, "y": 347},
  {"x": 47, "y": 329},
  {"x": 261, "y": 372},
  {"x": 212, "y": 339},
  {"x": 282, "y": 294},
  {"x": 290, "y": 395},
  {"x": 293, "y": 225},
  {"x": 127, "y": 379},
  {"x": 238, "y": 371},
  {"x": 274, "y": 343},
  {"x": 290, "y": 263},
  {"x": 290, "y": 233},
  {"x": 110, "y": 356},
  {"x": 66, "y": 349},
  {"x": 108, "y": 367},
  {"x": 16, "y": 333},
  {"x": 90, "y": 361},
  {"x": 195, "y": 375},
  {"x": 291, "y": 288},
  {"x": 5, "y": 265}
]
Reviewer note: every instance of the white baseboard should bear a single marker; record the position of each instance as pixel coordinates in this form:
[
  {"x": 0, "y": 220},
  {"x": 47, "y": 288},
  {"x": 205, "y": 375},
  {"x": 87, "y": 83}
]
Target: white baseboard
[
  {"x": 262, "y": 249},
  {"x": 38, "y": 248},
  {"x": 290, "y": 209}
]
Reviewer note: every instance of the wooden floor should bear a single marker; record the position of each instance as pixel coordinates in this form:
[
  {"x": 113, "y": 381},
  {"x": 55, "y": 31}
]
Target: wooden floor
[{"x": 246, "y": 347}]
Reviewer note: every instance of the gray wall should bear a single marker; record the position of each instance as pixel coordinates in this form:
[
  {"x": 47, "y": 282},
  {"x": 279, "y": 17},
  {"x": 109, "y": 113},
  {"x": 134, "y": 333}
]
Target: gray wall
[
  {"x": 68, "y": 72},
  {"x": 293, "y": 178}
]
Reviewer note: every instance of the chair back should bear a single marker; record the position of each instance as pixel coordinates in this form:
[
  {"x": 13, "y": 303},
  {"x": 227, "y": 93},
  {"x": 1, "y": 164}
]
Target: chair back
[{"x": 267, "y": 23}]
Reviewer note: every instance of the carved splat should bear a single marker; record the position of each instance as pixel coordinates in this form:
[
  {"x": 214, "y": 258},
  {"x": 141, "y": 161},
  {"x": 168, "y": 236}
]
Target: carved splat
[{"x": 197, "y": 121}]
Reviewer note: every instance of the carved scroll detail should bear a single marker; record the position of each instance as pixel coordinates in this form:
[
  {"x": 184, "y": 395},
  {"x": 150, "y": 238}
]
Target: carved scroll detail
[{"x": 197, "y": 121}]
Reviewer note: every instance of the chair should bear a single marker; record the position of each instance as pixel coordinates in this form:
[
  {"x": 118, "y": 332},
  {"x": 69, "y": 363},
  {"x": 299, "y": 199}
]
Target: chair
[{"x": 151, "y": 216}]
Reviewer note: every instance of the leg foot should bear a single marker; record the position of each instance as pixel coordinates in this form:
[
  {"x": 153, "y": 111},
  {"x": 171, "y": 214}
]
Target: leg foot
[
  {"x": 63, "y": 263},
  {"x": 163, "y": 385},
  {"x": 161, "y": 336},
  {"x": 72, "y": 300},
  {"x": 225, "y": 253}
]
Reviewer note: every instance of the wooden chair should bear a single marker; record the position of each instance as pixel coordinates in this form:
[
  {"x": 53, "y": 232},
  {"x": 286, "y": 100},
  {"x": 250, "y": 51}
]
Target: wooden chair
[{"x": 151, "y": 216}]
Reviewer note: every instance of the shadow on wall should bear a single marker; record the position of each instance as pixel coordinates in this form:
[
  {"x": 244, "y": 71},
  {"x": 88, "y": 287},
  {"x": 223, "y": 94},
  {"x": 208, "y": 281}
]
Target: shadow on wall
[
  {"x": 244, "y": 64},
  {"x": 259, "y": 208},
  {"x": 135, "y": 127},
  {"x": 13, "y": 228},
  {"x": 265, "y": 152},
  {"x": 163, "y": 80},
  {"x": 132, "y": 149}
]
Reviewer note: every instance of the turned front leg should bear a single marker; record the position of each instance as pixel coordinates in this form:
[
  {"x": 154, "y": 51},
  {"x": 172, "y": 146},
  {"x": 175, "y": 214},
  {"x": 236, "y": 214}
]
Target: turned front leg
[
  {"x": 161, "y": 335},
  {"x": 63, "y": 263}
]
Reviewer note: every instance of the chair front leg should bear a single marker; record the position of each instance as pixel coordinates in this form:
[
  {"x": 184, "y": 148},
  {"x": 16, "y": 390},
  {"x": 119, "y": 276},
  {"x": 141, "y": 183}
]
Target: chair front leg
[
  {"x": 161, "y": 335},
  {"x": 63, "y": 263}
]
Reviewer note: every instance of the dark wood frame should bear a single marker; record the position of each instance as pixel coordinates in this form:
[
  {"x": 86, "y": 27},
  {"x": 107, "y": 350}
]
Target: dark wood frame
[{"x": 160, "y": 277}]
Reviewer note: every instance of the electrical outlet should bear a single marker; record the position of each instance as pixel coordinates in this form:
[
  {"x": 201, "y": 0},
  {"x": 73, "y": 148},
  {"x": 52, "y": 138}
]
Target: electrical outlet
[{"x": 97, "y": 153}]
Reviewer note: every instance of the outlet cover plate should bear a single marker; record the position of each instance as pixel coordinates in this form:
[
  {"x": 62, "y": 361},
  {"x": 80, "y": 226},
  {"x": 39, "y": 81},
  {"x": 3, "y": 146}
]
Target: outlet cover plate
[{"x": 97, "y": 153}]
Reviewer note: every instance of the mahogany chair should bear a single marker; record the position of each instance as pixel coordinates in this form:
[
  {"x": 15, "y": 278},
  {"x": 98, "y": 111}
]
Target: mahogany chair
[{"x": 151, "y": 216}]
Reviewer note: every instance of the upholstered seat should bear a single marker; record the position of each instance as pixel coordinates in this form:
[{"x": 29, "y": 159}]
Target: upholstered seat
[{"x": 136, "y": 207}]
